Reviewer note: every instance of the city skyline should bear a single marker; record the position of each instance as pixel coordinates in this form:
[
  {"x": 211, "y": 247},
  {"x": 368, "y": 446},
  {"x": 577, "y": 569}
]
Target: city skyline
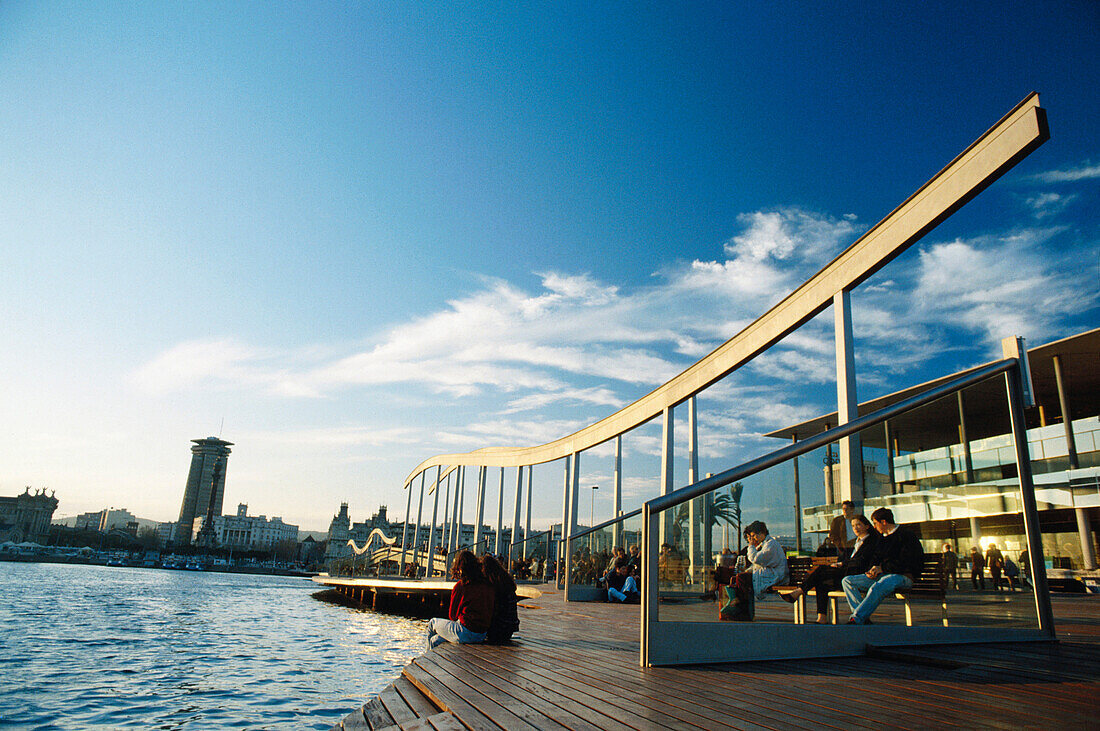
[{"x": 365, "y": 236}]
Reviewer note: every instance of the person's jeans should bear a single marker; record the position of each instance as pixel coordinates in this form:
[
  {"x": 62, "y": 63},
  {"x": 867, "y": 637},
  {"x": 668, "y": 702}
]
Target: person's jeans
[
  {"x": 877, "y": 590},
  {"x": 629, "y": 587},
  {"x": 445, "y": 630}
]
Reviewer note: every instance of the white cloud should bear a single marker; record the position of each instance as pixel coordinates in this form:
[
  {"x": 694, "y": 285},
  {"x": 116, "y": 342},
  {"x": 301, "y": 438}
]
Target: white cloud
[
  {"x": 1085, "y": 171},
  {"x": 1049, "y": 204}
]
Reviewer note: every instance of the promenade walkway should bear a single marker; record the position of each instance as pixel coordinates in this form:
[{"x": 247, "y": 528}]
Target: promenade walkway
[{"x": 575, "y": 666}]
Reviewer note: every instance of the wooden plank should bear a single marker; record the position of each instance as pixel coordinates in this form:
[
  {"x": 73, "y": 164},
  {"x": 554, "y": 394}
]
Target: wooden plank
[
  {"x": 377, "y": 715},
  {"x": 451, "y": 698},
  {"x": 445, "y": 722},
  {"x": 396, "y": 706},
  {"x": 500, "y": 707},
  {"x": 417, "y": 701},
  {"x": 355, "y": 721}
]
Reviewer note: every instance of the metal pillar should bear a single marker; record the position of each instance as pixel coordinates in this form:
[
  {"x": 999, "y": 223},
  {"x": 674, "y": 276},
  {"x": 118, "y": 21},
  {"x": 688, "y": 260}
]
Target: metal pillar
[
  {"x": 1084, "y": 531},
  {"x": 564, "y": 521},
  {"x": 460, "y": 503},
  {"x": 446, "y": 529},
  {"x": 890, "y": 454},
  {"x": 847, "y": 404},
  {"x": 527, "y": 523},
  {"x": 1014, "y": 382},
  {"x": 513, "y": 552},
  {"x": 500, "y": 515},
  {"x": 667, "y": 441},
  {"x": 416, "y": 533},
  {"x": 975, "y": 532},
  {"x": 405, "y": 529},
  {"x": 480, "y": 509},
  {"x": 571, "y": 526},
  {"x": 1067, "y": 417},
  {"x": 968, "y": 461},
  {"x": 797, "y": 505},
  {"x": 696, "y": 564},
  {"x": 618, "y": 508},
  {"x": 431, "y": 535}
]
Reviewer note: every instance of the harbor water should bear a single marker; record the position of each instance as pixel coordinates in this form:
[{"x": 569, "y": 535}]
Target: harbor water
[{"x": 85, "y": 647}]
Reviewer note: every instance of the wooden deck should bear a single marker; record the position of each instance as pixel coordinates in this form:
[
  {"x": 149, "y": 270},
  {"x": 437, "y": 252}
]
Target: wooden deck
[{"x": 575, "y": 666}]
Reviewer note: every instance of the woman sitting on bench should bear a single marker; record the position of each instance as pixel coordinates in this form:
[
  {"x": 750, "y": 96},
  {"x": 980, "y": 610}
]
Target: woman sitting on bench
[{"x": 826, "y": 577}]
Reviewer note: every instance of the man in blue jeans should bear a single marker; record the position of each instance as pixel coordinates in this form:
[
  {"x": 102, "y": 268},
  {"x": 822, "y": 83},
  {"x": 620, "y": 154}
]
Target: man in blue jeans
[{"x": 898, "y": 558}]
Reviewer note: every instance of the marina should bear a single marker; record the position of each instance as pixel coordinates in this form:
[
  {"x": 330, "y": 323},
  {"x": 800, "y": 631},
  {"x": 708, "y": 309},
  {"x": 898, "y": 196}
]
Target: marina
[{"x": 574, "y": 665}]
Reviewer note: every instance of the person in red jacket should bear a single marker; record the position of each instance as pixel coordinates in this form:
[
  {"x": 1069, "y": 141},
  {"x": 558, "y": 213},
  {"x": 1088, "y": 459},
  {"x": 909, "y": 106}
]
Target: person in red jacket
[{"x": 471, "y": 609}]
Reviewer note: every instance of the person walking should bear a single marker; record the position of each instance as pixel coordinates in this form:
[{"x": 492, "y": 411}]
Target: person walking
[
  {"x": 977, "y": 568},
  {"x": 950, "y": 567}
]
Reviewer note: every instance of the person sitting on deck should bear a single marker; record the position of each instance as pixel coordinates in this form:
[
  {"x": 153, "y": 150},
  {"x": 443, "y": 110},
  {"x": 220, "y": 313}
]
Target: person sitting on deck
[
  {"x": 635, "y": 559},
  {"x": 621, "y": 586},
  {"x": 471, "y": 607},
  {"x": 827, "y": 577},
  {"x": 768, "y": 567},
  {"x": 505, "y": 619},
  {"x": 897, "y": 561}
]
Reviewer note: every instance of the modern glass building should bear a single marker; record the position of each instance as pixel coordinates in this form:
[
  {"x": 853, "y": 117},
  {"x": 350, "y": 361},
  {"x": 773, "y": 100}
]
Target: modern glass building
[{"x": 950, "y": 468}]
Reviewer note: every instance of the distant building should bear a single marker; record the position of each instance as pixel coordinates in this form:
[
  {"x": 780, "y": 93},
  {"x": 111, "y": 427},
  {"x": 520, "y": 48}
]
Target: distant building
[
  {"x": 338, "y": 533},
  {"x": 202, "y": 498},
  {"x": 166, "y": 533},
  {"x": 27, "y": 517},
  {"x": 250, "y": 532},
  {"x": 106, "y": 520}
]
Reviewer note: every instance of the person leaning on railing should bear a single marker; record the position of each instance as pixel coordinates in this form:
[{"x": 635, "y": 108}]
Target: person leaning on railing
[
  {"x": 827, "y": 577},
  {"x": 897, "y": 561}
]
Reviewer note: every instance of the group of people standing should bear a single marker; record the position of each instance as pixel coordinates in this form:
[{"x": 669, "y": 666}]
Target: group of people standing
[
  {"x": 483, "y": 604},
  {"x": 1001, "y": 568}
]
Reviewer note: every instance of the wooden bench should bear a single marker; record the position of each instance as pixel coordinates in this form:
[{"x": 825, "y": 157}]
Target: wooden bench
[{"x": 930, "y": 583}]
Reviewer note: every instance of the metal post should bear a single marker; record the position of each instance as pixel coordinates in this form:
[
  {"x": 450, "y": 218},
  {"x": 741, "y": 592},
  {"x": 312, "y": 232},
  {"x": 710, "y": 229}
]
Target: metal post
[
  {"x": 513, "y": 550},
  {"x": 571, "y": 526},
  {"x": 695, "y": 507},
  {"x": 797, "y": 505},
  {"x": 1067, "y": 417},
  {"x": 460, "y": 503},
  {"x": 890, "y": 452},
  {"x": 967, "y": 460},
  {"x": 560, "y": 553},
  {"x": 445, "y": 530},
  {"x": 667, "y": 440},
  {"x": 847, "y": 404},
  {"x": 618, "y": 540},
  {"x": 527, "y": 523},
  {"x": 416, "y": 533},
  {"x": 430, "y": 570},
  {"x": 405, "y": 529},
  {"x": 1027, "y": 497},
  {"x": 500, "y": 514},
  {"x": 480, "y": 509},
  {"x": 651, "y": 526}
]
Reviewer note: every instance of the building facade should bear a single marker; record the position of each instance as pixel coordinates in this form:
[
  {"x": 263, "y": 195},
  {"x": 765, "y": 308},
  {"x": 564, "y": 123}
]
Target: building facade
[
  {"x": 251, "y": 532},
  {"x": 205, "y": 490},
  {"x": 27, "y": 517}
]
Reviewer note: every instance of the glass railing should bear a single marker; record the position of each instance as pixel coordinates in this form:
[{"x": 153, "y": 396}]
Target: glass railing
[
  {"x": 592, "y": 551},
  {"x": 699, "y": 605},
  {"x": 532, "y": 559}
]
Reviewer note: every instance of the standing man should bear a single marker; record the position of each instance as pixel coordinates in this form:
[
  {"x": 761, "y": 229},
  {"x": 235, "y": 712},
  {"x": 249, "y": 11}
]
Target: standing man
[
  {"x": 898, "y": 559},
  {"x": 950, "y": 567},
  {"x": 995, "y": 562},
  {"x": 977, "y": 568},
  {"x": 838, "y": 529}
]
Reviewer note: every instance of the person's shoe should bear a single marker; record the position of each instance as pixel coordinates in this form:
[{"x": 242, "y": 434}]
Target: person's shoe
[{"x": 790, "y": 597}]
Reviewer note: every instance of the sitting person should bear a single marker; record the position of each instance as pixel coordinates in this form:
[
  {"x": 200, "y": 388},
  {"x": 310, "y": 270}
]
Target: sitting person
[
  {"x": 827, "y": 577},
  {"x": 768, "y": 564},
  {"x": 635, "y": 559},
  {"x": 471, "y": 607},
  {"x": 897, "y": 560},
  {"x": 505, "y": 618},
  {"x": 621, "y": 586}
]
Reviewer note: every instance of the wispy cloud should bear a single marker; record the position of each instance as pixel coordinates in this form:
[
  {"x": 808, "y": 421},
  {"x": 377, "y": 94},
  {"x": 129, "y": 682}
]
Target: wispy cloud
[
  {"x": 1085, "y": 171},
  {"x": 1049, "y": 204}
]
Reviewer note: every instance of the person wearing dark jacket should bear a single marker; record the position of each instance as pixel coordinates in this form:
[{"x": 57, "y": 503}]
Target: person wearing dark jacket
[
  {"x": 827, "y": 577},
  {"x": 471, "y": 607},
  {"x": 505, "y": 619},
  {"x": 897, "y": 560}
]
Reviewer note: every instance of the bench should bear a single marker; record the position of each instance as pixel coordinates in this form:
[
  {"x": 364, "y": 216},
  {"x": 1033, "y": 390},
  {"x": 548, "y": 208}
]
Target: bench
[{"x": 930, "y": 583}]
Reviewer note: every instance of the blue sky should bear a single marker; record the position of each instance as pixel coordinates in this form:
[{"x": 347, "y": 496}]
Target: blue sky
[{"x": 365, "y": 234}]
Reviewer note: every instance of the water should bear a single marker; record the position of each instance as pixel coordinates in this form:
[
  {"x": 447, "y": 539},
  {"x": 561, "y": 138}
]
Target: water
[{"x": 85, "y": 647}]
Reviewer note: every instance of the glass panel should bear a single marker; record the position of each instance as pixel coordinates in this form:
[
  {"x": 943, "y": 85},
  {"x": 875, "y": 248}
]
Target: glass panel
[
  {"x": 594, "y": 554},
  {"x": 933, "y": 498}
]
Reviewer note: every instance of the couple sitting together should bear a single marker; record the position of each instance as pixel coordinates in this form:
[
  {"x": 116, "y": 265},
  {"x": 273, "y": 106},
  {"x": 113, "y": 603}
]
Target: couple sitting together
[
  {"x": 884, "y": 558},
  {"x": 482, "y": 607}
]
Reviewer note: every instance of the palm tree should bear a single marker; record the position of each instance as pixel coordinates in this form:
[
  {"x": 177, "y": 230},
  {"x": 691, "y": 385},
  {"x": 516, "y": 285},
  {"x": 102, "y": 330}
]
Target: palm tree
[{"x": 726, "y": 508}]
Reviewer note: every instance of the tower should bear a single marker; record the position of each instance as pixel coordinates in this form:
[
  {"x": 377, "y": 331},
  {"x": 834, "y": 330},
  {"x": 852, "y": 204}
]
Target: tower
[{"x": 202, "y": 498}]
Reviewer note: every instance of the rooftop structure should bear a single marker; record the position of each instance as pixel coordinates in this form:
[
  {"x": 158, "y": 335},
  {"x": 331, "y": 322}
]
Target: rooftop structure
[{"x": 205, "y": 490}]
